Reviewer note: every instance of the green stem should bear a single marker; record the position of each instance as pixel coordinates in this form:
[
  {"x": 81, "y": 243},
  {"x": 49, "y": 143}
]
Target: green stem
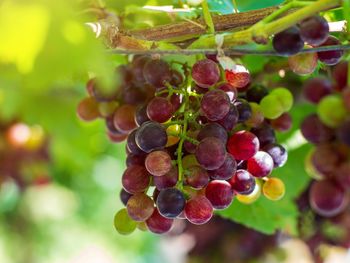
[
  {"x": 207, "y": 17},
  {"x": 185, "y": 137},
  {"x": 170, "y": 123}
]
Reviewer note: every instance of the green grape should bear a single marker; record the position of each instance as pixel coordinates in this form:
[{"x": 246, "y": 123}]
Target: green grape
[
  {"x": 331, "y": 110},
  {"x": 285, "y": 97},
  {"x": 252, "y": 197},
  {"x": 271, "y": 106},
  {"x": 274, "y": 189},
  {"x": 123, "y": 222}
]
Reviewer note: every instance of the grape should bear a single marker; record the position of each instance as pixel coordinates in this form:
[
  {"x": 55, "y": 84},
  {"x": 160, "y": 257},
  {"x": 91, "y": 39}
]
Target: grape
[
  {"x": 278, "y": 153},
  {"x": 123, "y": 223},
  {"x": 197, "y": 177},
  {"x": 142, "y": 226},
  {"x": 176, "y": 78},
  {"x": 316, "y": 88},
  {"x": 257, "y": 117},
  {"x": 330, "y": 57},
  {"x": 256, "y": 93},
  {"x": 243, "y": 145},
  {"x": 158, "y": 163},
  {"x": 225, "y": 171},
  {"x": 271, "y": 107},
  {"x": 151, "y": 136},
  {"x": 170, "y": 202},
  {"x": 88, "y": 109},
  {"x": 168, "y": 180},
  {"x": 131, "y": 144},
  {"x": 141, "y": 115},
  {"x": 229, "y": 90},
  {"x": 133, "y": 95},
  {"x": 261, "y": 164},
  {"x": 303, "y": 64},
  {"x": 158, "y": 224},
  {"x": 107, "y": 109},
  {"x": 342, "y": 175},
  {"x": 284, "y": 97},
  {"x": 239, "y": 77},
  {"x": 155, "y": 193},
  {"x": 211, "y": 153},
  {"x": 160, "y": 109},
  {"x": 124, "y": 118},
  {"x": 140, "y": 207},
  {"x": 219, "y": 193},
  {"x": 314, "y": 30},
  {"x": 288, "y": 42},
  {"x": 283, "y": 123},
  {"x": 215, "y": 105},
  {"x": 113, "y": 137},
  {"x": 253, "y": 196},
  {"x": 135, "y": 159},
  {"x": 326, "y": 158},
  {"x": 326, "y": 198},
  {"x": 157, "y": 73},
  {"x": 242, "y": 182},
  {"x": 230, "y": 120},
  {"x": 340, "y": 75},
  {"x": 136, "y": 179},
  {"x": 198, "y": 210},
  {"x": 212, "y": 57},
  {"x": 244, "y": 110},
  {"x": 172, "y": 140},
  {"x": 190, "y": 147},
  {"x": 205, "y": 73},
  {"x": 274, "y": 189},
  {"x": 213, "y": 130},
  {"x": 343, "y": 133},
  {"x": 137, "y": 66},
  {"x": 331, "y": 110},
  {"x": 124, "y": 196},
  {"x": 315, "y": 131},
  {"x": 189, "y": 160},
  {"x": 310, "y": 168},
  {"x": 265, "y": 134}
]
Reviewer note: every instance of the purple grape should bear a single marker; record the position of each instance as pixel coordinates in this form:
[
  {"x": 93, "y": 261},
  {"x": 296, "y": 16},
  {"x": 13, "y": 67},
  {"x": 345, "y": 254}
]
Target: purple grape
[
  {"x": 136, "y": 179},
  {"x": 135, "y": 159},
  {"x": 244, "y": 110},
  {"x": 330, "y": 57},
  {"x": 160, "y": 109},
  {"x": 316, "y": 88},
  {"x": 314, "y": 30},
  {"x": 225, "y": 171},
  {"x": 215, "y": 105},
  {"x": 288, "y": 42},
  {"x": 131, "y": 144},
  {"x": 157, "y": 73},
  {"x": 265, "y": 134},
  {"x": 242, "y": 182},
  {"x": 230, "y": 90},
  {"x": 151, "y": 136},
  {"x": 343, "y": 133},
  {"x": 137, "y": 66},
  {"x": 158, "y": 224},
  {"x": 211, "y": 153},
  {"x": 256, "y": 93},
  {"x": 124, "y": 196},
  {"x": 205, "y": 73},
  {"x": 213, "y": 130},
  {"x": 231, "y": 119},
  {"x": 197, "y": 177},
  {"x": 170, "y": 202},
  {"x": 141, "y": 115},
  {"x": 158, "y": 163},
  {"x": 315, "y": 131},
  {"x": 278, "y": 153},
  {"x": 124, "y": 118},
  {"x": 168, "y": 180}
]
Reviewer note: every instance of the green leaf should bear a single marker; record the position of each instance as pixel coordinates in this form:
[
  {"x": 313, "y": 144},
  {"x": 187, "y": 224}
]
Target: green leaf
[{"x": 226, "y": 6}]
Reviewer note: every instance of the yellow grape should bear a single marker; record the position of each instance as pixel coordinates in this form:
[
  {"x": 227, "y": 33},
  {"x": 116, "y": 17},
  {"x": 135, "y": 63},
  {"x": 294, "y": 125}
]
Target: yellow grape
[
  {"x": 274, "y": 189},
  {"x": 173, "y": 129},
  {"x": 252, "y": 197}
]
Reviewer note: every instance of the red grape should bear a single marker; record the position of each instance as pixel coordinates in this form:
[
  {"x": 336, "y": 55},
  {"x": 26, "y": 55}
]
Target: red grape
[
  {"x": 239, "y": 77},
  {"x": 219, "y": 193},
  {"x": 213, "y": 130},
  {"x": 283, "y": 123},
  {"x": 229, "y": 90},
  {"x": 340, "y": 75},
  {"x": 197, "y": 177},
  {"x": 158, "y": 163},
  {"x": 242, "y": 182},
  {"x": 88, "y": 109},
  {"x": 124, "y": 118},
  {"x": 136, "y": 179},
  {"x": 157, "y": 72},
  {"x": 160, "y": 109},
  {"x": 316, "y": 88},
  {"x": 278, "y": 153},
  {"x": 243, "y": 145},
  {"x": 261, "y": 164},
  {"x": 168, "y": 180},
  {"x": 211, "y": 153},
  {"x": 140, "y": 207},
  {"x": 198, "y": 210},
  {"x": 215, "y": 105},
  {"x": 205, "y": 73},
  {"x": 158, "y": 224},
  {"x": 330, "y": 57}
]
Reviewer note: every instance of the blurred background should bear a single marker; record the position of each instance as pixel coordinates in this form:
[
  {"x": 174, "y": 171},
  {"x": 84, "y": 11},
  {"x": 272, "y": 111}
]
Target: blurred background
[{"x": 60, "y": 177}]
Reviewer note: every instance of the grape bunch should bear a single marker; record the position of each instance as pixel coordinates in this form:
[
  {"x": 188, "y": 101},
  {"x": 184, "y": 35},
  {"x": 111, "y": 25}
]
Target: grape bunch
[
  {"x": 314, "y": 31},
  {"x": 196, "y": 138}
]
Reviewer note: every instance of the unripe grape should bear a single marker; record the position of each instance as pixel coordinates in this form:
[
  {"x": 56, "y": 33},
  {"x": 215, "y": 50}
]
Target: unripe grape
[
  {"x": 123, "y": 222},
  {"x": 332, "y": 111},
  {"x": 274, "y": 189}
]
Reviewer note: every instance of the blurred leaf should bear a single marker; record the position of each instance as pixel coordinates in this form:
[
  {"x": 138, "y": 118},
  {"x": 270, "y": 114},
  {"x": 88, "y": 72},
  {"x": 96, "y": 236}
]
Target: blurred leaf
[{"x": 226, "y": 6}]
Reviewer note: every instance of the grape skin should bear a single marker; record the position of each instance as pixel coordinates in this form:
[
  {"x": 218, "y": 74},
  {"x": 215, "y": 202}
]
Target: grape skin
[
  {"x": 197, "y": 177},
  {"x": 288, "y": 42},
  {"x": 170, "y": 202},
  {"x": 158, "y": 224},
  {"x": 158, "y": 163},
  {"x": 124, "y": 118},
  {"x": 242, "y": 182},
  {"x": 316, "y": 88},
  {"x": 243, "y": 145},
  {"x": 140, "y": 207},
  {"x": 315, "y": 131},
  {"x": 157, "y": 73},
  {"x": 168, "y": 180},
  {"x": 136, "y": 179},
  {"x": 219, "y": 193},
  {"x": 198, "y": 210},
  {"x": 314, "y": 30},
  {"x": 88, "y": 109},
  {"x": 260, "y": 165},
  {"x": 205, "y": 73},
  {"x": 151, "y": 136},
  {"x": 215, "y": 105},
  {"x": 160, "y": 109},
  {"x": 330, "y": 57},
  {"x": 211, "y": 153},
  {"x": 226, "y": 170},
  {"x": 213, "y": 130}
]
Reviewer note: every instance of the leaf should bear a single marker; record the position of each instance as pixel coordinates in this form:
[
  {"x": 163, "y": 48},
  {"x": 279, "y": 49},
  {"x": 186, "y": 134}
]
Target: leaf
[{"x": 226, "y": 6}]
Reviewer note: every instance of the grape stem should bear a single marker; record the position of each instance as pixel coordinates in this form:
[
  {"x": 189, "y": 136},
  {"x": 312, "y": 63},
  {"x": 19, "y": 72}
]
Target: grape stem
[{"x": 186, "y": 138}]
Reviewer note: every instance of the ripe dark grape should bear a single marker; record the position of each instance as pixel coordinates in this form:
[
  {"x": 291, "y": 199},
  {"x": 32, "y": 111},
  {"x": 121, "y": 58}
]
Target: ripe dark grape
[
  {"x": 327, "y": 198},
  {"x": 158, "y": 224},
  {"x": 314, "y": 30},
  {"x": 88, "y": 109},
  {"x": 141, "y": 115},
  {"x": 244, "y": 110},
  {"x": 316, "y": 88},
  {"x": 256, "y": 93},
  {"x": 157, "y": 72},
  {"x": 137, "y": 66},
  {"x": 231, "y": 119},
  {"x": 219, "y": 193},
  {"x": 330, "y": 57},
  {"x": 197, "y": 177},
  {"x": 315, "y": 131},
  {"x": 260, "y": 165},
  {"x": 124, "y": 196},
  {"x": 205, "y": 73},
  {"x": 190, "y": 147},
  {"x": 229, "y": 90},
  {"x": 242, "y": 182},
  {"x": 243, "y": 145},
  {"x": 158, "y": 163},
  {"x": 343, "y": 133},
  {"x": 265, "y": 134},
  {"x": 133, "y": 95},
  {"x": 136, "y": 179},
  {"x": 278, "y": 153},
  {"x": 211, "y": 153},
  {"x": 116, "y": 138},
  {"x": 288, "y": 42},
  {"x": 342, "y": 175},
  {"x": 140, "y": 207},
  {"x": 131, "y": 144},
  {"x": 170, "y": 202},
  {"x": 326, "y": 158},
  {"x": 160, "y": 109},
  {"x": 168, "y": 180},
  {"x": 283, "y": 123},
  {"x": 340, "y": 75},
  {"x": 135, "y": 159},
  {"x": 225, "y": 171},
  {"x": 215, "y": 105},
  {"x": 198, "y": 210},
  {"x": 213, "y": 130},
  {"x": 151, "y": 136},
  {"x": 124, "y": 118}
]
